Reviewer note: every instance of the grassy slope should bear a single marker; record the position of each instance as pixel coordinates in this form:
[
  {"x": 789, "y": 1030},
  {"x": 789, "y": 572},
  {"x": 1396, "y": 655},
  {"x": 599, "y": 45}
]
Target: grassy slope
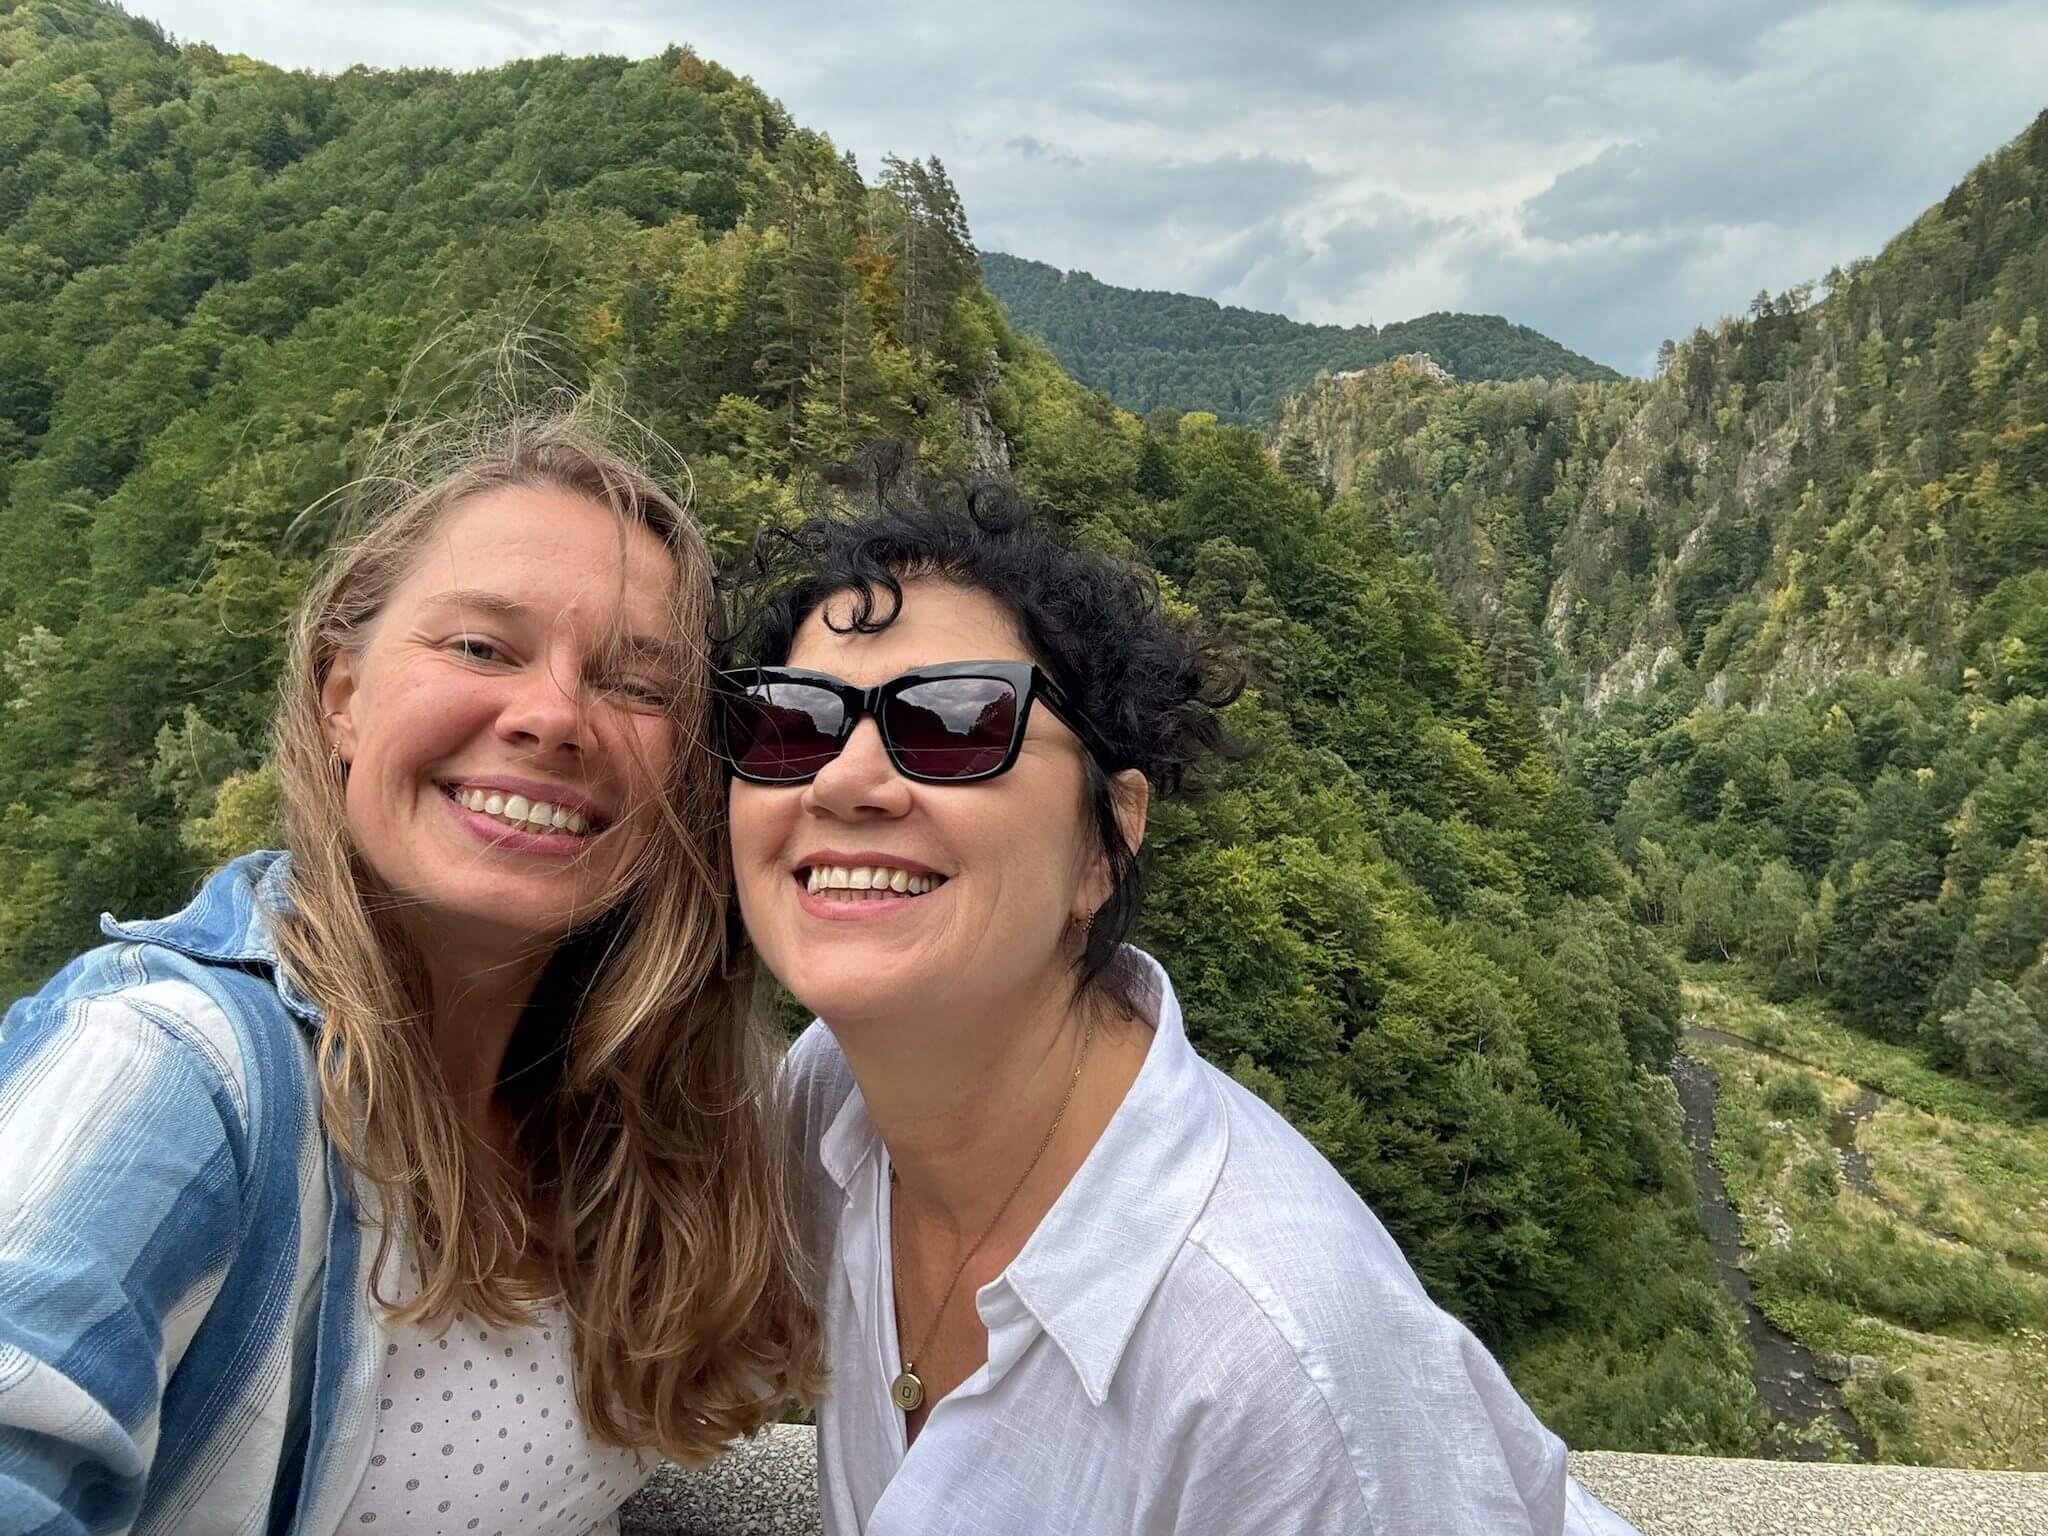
[{"x": 1956, "y": 1323}]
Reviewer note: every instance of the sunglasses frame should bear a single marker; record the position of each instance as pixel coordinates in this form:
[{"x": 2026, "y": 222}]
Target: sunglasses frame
[{"x": 1026, "y": 679}]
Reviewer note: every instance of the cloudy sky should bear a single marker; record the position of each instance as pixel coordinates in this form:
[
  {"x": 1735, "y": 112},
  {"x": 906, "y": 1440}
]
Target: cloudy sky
[{"x": 1609, "y": 171}]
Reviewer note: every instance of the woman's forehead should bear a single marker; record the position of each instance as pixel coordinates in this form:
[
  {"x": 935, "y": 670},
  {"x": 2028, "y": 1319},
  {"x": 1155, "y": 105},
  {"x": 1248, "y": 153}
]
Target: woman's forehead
[
  {"x": 548, "y": 550},
  {"x": 938, "y": 621}
]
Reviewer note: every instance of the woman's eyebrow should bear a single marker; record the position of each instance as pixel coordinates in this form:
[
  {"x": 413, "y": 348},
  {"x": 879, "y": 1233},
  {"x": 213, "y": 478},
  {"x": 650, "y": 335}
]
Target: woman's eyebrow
[
  {"x": 649, "y": 648},
  {"x": 475, "y": 600},
  {"x": 629, "y": 647}
]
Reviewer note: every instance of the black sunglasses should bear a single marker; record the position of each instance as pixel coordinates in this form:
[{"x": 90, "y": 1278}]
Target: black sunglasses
[{"x": 949, "y": 724}]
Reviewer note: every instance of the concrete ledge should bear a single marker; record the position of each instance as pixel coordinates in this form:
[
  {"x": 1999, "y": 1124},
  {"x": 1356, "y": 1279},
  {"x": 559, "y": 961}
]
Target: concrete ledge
[
  {"x": 767, "y": 1486},
  {"x": 770, "y": 1488},
  {"x": 1698, "y": 1495}
]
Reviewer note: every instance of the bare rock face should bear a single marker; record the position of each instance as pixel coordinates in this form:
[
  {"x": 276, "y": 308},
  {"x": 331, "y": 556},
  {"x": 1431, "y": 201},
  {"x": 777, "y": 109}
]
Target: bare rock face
[
  {"x": 1840, "y": 1368},
  {"x": 1427, "y": 366},
  {"x": 991, "y": 449}
]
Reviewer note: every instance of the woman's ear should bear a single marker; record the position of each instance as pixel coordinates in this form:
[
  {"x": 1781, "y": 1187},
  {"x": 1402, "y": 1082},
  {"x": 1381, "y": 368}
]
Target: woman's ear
[
  {"x": 1132, "y": 796},
  {"x": 1129, "y": 796},
  {"x": 337, "y": 694}
]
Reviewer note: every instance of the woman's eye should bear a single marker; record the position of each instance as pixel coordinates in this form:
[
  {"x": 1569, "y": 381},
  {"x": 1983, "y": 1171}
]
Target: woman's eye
[
  {"x": 475, "y": 648},
  {"x": 639, "y": 692}
]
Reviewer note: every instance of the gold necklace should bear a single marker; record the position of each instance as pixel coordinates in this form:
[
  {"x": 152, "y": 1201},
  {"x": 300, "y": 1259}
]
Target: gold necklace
[{"x": 908, "y": 1389}]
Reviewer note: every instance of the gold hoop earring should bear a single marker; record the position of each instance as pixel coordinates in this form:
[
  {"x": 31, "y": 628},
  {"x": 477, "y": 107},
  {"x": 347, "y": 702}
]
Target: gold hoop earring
[{"x": 336, "y": 766}]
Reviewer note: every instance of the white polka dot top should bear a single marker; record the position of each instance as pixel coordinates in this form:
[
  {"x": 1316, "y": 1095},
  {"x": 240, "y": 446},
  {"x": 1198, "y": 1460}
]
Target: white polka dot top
[{"x": 478, "y": 1434}]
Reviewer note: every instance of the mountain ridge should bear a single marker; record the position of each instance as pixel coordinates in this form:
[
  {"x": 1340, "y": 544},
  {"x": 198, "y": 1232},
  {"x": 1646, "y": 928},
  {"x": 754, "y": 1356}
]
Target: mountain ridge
[
  {"x": 1753, "y": 513},
  {"x": 1151, "y": 349}
]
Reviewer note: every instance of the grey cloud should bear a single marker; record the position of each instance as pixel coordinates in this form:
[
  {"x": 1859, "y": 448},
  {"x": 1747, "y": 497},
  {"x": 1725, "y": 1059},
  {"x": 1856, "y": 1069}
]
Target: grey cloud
[
  {"x": 1026, "y": 147},
  {"x": 1745, "y": 179},
  {"x": 1226, "y": 193},
  {"x": 1613, "y": 301},
  {"x": 1724, "y": 37},
  {"x": 1279, "y": 268}
]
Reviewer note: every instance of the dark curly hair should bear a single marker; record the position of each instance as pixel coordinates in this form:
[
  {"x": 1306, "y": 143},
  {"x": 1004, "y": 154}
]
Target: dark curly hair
[{"x": 1147, "y": 686}]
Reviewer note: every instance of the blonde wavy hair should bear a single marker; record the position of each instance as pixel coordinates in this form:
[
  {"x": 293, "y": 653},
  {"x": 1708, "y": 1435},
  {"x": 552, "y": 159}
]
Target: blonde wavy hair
[{"x": 652, "y": 1189}]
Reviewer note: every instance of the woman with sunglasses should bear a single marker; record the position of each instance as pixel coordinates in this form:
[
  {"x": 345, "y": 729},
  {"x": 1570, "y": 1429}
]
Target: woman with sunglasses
[
  {"x": 420, "y": 1178},
  {"x": 1075, "y": 1278}
]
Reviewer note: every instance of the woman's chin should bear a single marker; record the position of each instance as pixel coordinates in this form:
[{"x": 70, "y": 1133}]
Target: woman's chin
[
  {"x": 856, "y": 1002},
  {"x": 511, "y": 917}
]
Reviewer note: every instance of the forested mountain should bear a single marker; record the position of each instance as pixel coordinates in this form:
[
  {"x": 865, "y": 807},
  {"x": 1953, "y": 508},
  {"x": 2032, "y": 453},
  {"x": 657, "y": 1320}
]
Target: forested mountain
[
  {"x": 1789, "y": 601},
  {"x": 219, "y": 281},
  {"x": 1172, "y": 351}
]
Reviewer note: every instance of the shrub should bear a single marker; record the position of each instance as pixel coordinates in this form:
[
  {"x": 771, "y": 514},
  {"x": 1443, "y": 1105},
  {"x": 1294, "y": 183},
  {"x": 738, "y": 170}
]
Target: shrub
[
  {"x": 1904, "y": 1279},
  {"x": 1820, "y": 1179},
  {"x": 1794, "y": 1095}
]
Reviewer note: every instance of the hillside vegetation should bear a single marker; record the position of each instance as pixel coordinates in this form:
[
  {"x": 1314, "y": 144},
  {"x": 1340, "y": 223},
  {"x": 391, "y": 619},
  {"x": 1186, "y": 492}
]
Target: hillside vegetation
[
  {"x": 219, "y": 281},
  {"x": 1857, "y": 482},
  {"x": 1786, "y": 608},
  {"x": 1148, "y": 350}
]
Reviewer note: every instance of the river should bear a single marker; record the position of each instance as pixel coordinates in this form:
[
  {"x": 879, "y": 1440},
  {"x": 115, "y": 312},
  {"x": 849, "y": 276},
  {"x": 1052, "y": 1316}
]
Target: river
[{"x": 1788, "y": 1385}]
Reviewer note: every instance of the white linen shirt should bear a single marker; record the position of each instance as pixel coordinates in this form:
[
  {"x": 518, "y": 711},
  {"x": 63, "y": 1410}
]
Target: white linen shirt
[{"x": 1209, "y": 1332}]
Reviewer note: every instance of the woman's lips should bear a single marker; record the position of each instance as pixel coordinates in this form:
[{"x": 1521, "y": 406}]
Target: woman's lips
[{"x": 868, "y": 907}]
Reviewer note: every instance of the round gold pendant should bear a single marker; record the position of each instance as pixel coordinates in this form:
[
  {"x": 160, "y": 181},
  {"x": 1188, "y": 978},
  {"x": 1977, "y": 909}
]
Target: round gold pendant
[{"x": 908, "y": 1392}]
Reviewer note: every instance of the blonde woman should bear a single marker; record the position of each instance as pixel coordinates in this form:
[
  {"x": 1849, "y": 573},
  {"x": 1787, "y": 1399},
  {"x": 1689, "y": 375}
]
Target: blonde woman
[{"x": 418, "y": 1178}]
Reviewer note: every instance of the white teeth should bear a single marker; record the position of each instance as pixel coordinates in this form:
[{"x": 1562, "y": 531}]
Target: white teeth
[
  {"x": 528, "y": 815},
  {"x": 868, "y": 883}
]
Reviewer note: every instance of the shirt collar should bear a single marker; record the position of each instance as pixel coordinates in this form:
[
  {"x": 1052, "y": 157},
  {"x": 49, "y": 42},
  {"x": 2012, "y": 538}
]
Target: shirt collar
[
  {"x": 849, "y": 1141},
  {"x": 1089, "y": 1271},
  {"x": 228, "y": 923}
]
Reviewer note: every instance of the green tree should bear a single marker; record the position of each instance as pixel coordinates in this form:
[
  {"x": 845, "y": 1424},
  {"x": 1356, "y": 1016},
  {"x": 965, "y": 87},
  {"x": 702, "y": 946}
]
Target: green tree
[
  {"x": 2002, "y": 1041},
  {"x": 1710, "y": 910}
]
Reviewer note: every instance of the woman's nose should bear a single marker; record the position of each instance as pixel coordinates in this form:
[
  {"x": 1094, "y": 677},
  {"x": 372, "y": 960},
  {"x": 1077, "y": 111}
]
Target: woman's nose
[
  {"x": 543, "y": 713},
  {"x": 860, "y": 781}
]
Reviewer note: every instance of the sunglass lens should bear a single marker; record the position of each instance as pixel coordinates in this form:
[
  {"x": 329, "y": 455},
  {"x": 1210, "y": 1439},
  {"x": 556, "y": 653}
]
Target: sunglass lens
[
  {"x": 781, "y": 731},
  {"x": 953, "y": 727}
]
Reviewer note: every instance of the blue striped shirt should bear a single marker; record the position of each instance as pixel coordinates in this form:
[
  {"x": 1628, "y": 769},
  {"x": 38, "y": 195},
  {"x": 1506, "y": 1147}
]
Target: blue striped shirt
[{"x": 186, "y": 1344}]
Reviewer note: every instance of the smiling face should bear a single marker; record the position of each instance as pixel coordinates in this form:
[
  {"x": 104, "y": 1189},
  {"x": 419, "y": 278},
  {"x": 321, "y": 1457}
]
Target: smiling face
[
  {"x": 505, "y": 720},
  {"x": 1009, "y": 860}
]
